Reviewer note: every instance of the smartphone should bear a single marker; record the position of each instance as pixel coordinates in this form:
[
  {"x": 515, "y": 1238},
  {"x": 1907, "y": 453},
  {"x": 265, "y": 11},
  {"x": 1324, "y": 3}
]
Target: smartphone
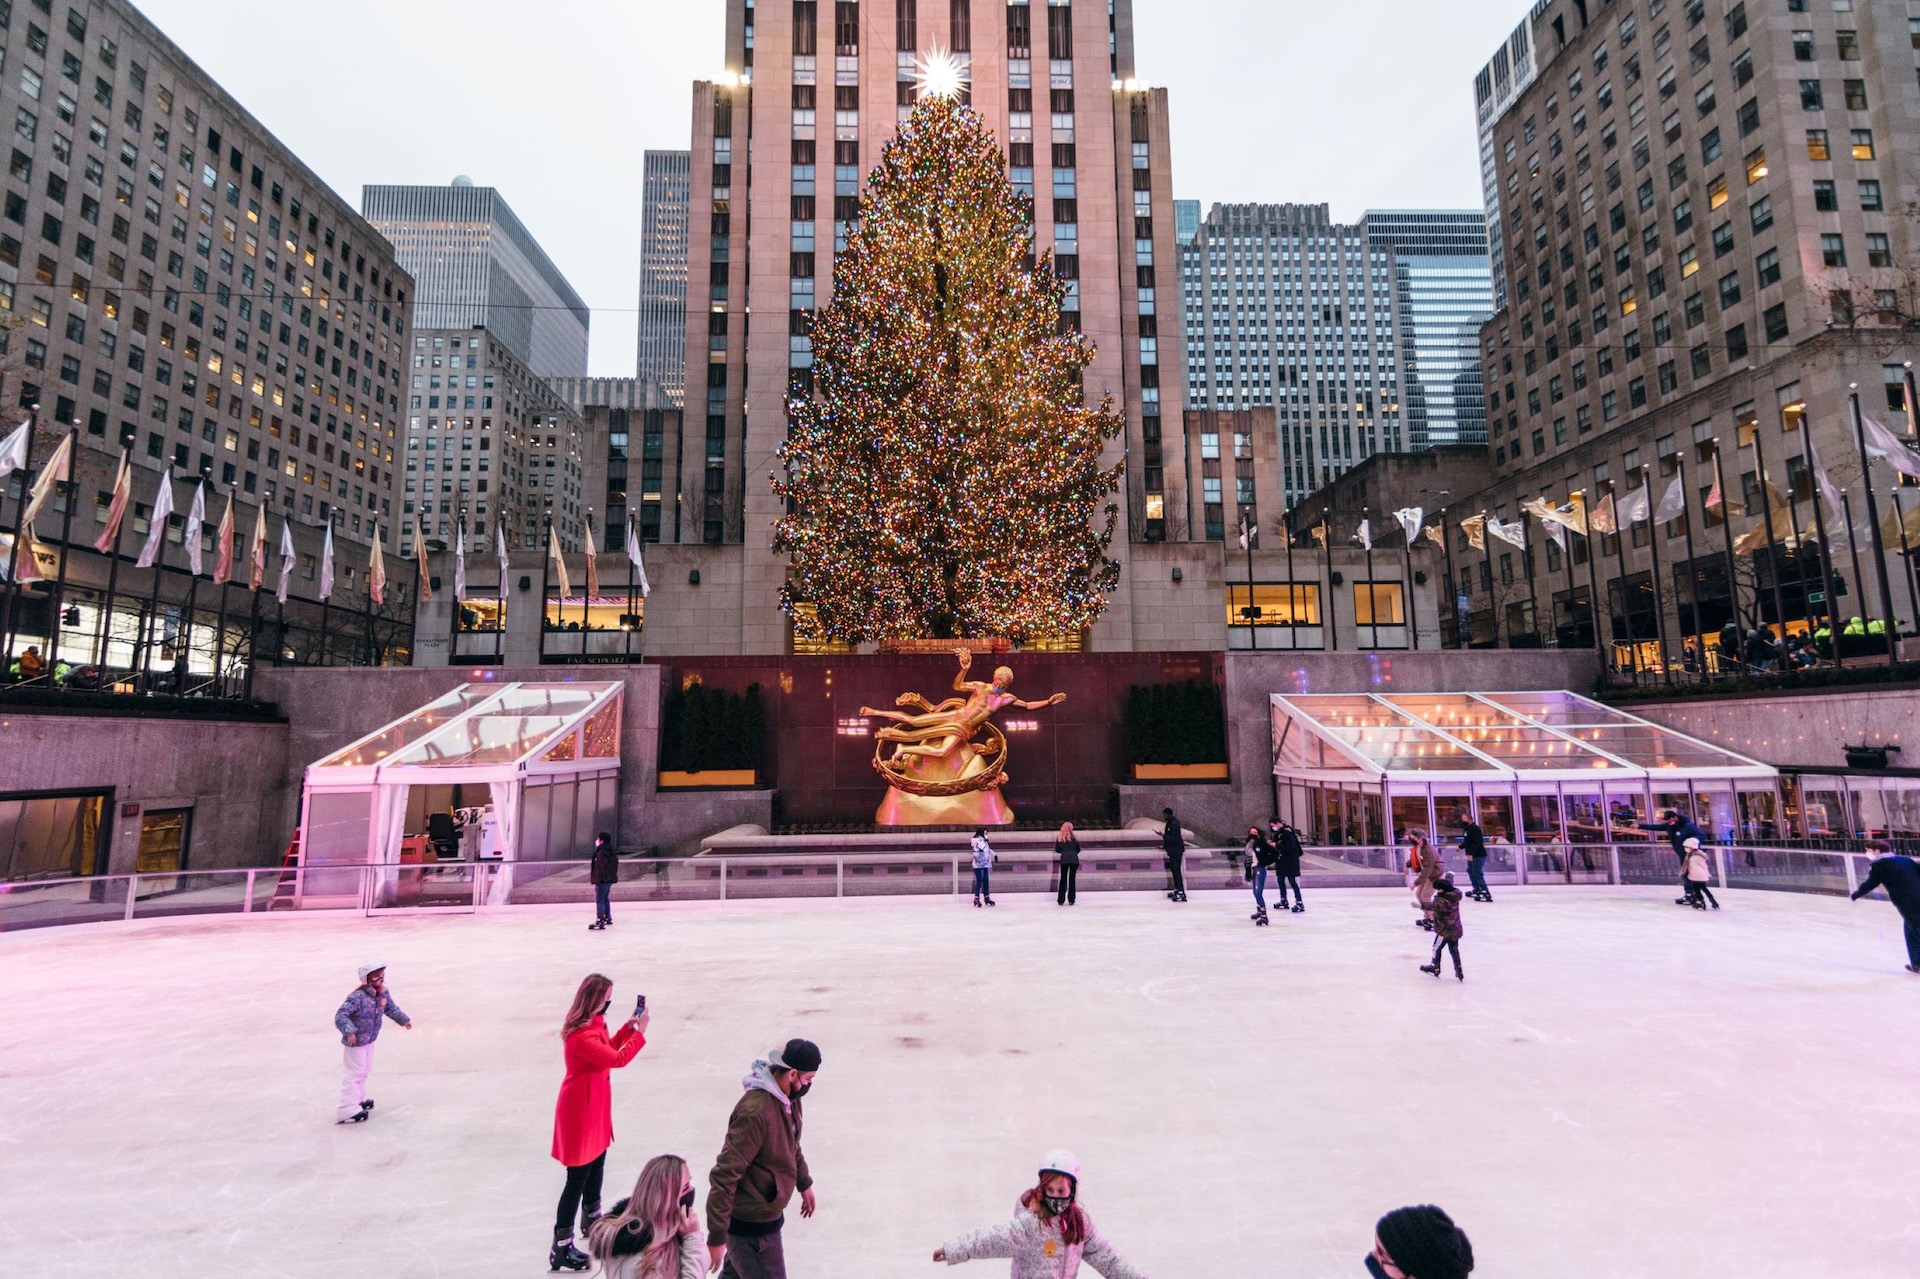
[{"x": 640, "y": 1006}]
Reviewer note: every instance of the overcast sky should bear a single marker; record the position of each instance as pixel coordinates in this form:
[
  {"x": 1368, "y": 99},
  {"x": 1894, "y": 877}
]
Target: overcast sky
[{"x": 1366, "y": 103}]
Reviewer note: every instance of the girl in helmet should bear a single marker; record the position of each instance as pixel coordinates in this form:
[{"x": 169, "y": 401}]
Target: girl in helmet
[{"x": 1050, "y": 1234}]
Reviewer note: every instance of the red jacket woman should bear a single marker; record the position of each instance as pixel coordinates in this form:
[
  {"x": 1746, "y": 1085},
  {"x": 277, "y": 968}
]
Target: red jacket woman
[{"x": 583, "y": 1116}]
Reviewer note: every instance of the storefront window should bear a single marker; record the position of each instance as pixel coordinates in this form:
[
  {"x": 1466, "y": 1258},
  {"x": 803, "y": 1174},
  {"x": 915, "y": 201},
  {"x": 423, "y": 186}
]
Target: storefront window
[
  {"x": 1540, "y": 818},
  {"x": 1586, "y": 818},
  {"x": 52, "y": 836},
  {"x": 1496, "y": 818}
]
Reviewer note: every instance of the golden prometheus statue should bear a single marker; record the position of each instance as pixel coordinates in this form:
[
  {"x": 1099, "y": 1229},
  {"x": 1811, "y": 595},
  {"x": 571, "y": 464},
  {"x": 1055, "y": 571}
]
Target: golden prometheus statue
[{"x": 949, "y": 761}]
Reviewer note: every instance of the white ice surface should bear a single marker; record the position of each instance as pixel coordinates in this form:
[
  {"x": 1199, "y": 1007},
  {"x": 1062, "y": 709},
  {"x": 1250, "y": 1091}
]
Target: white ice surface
[{"x": 1620, "y": 1088}]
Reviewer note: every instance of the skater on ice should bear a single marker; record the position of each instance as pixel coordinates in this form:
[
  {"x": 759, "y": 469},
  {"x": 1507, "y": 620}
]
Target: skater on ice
[
  {"x": 1050, "y": 1234},
  {"x": 1175, "y": 844},
  {"x": 1423, "y": 868},
  {"x": 358, "y": 1022},
  {"x": 653, "y": 1233},
  {"x": 1066, "y": 851},
  {"x": 583, "y": 1114},
  {"x": 1900, "y": 877},
  {"x": 761, "y": 1167},
  {"x": 982, "y": 866},
  {"x": 1261, "y": 858},
  {"x": 1696, "y": 876},
  {"x": 1419, "y": 1243},
  {"x": 1447, "y": 927},
  {"x": 1473, "y": 843},
  {"x": 1678, "y": 830},
  {"x": 604, "y": 871},
  {"x": 1288, "y": 851}
]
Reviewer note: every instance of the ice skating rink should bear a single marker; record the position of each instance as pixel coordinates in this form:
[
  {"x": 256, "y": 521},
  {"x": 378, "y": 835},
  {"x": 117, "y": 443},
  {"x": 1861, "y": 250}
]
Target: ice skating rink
[{"x": 1620, "y": 1088}]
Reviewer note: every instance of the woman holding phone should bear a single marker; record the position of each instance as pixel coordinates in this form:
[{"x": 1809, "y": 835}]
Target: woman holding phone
[{"x": 583, "y": 1116}]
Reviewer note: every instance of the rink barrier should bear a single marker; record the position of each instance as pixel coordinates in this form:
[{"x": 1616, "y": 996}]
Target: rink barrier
[{"x": 486, "y": 885}]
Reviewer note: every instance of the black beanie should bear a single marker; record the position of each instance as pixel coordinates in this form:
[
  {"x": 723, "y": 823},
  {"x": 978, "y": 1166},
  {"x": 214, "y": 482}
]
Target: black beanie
[
  {"x": 1425, "y": 1243},
  {"x": 801, "y": 1055}
]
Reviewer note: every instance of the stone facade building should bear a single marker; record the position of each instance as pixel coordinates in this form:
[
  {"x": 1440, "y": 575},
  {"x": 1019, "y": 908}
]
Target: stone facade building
[{"x": 1709, "y": 248}]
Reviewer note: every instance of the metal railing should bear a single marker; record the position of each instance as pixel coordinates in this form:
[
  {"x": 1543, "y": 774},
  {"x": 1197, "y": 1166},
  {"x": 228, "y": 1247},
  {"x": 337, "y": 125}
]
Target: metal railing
[{"x": 485, "y": 885}]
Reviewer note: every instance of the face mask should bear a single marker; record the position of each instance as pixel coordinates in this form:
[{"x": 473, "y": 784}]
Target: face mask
[
  {"x": 686, "y": 1201},
  {"x": 801, "y": 1091},
  {"x": 1057, "y": 1205},
  {"x": 1373, "y": 1267}
]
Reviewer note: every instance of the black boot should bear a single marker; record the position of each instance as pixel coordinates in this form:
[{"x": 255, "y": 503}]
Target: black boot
[
  {"x": 1433, "y": 968},
  {"x": 564, "y": 1256}
]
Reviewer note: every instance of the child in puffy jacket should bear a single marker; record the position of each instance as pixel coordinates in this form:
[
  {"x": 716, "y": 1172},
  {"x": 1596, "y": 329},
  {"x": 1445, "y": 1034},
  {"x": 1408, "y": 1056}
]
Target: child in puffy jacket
[
  {"x": 1447, "y": 928},
  {"x": 1698, "y": 876},
  {"x": 1050, "y": 1234}
]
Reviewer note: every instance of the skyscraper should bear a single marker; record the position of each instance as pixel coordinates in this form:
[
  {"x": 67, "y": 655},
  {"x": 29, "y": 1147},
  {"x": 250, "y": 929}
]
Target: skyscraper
[
  {"x": 1507, "y": 73},
  {"x": 478, "y": 267},
  {"x": 1442, "y": 294},
  {"x": 812, "y": 93},
  {"x": 1284, "y": 307},
  {"x": 1186, "y": 221},
  {"x": 663, "y": 272}
]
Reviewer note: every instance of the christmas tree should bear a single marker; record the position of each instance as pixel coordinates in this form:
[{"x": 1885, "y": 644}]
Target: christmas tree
[{"x": 944, "y": 476}]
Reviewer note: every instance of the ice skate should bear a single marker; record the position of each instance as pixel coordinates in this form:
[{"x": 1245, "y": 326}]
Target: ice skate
[
  {"x": 991, "y": 902},
  {"x": 564, "y": 1256},
  {"x": 1430, "y": 968},
  {"x": 595, "y": 926},
  {"x": 1299, "y": 908},
  {"x": 360, "y": 1118},
  {"x": 1459, "y": 975},
  {"x": 1260, "y": 918},
  {"x": 366, "y": 1105},
  {"x": 976, "y": 900}
]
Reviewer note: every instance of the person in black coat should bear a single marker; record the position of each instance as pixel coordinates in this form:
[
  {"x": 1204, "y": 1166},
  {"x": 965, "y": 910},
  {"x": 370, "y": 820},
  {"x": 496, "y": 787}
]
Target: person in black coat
[
  {"x": 1900, "y": 877},
  {"x": 1473, "y": 842},
  {"x": 1261, "y": 856},
  {"x": 1176, "y": 848},
  {"x": 1287, "y": 851},
  {"x": 1066, "y": 850},
  {"x": 604, "y": 872}
]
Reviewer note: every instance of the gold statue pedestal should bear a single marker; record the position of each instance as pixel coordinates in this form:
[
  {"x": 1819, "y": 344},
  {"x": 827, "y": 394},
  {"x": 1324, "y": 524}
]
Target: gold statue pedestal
[{"x": 948, "y": 761}]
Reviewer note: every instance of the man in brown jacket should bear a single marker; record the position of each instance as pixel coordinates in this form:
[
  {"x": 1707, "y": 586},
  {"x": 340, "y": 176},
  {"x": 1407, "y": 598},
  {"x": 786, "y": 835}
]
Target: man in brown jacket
[{"x": 760, "y": 1166}]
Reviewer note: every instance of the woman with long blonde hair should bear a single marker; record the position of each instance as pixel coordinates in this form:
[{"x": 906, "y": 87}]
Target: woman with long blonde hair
[
  {"x": 1066, "y": 848},
  {"x": 653, "y": 1233},
  {"x": 583, "y": 1116}
]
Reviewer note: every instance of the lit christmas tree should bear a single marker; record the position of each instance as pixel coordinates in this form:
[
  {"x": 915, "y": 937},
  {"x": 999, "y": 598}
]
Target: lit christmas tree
[{"x": 945, "y": 479}]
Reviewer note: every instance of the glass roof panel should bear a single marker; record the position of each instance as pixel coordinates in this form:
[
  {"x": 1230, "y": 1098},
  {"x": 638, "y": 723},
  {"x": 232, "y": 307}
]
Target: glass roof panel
[
  {"x": 402, "y": 733},
  {"x": 1559, "y": 708},
  {"x": 483, "y": 740},
  {"x": 1527, "y": 748},
  {"x": 1449, "y": 711},
  {"x": 1653, "y": 747},
  {"x": 1385, "y": 737}
]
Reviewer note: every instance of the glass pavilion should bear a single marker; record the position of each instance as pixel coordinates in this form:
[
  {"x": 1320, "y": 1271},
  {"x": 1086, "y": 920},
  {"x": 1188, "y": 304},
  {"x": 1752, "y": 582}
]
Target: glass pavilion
[
  {"x": 531, "y": 768},
  {"x": 1537, "y": 768}
]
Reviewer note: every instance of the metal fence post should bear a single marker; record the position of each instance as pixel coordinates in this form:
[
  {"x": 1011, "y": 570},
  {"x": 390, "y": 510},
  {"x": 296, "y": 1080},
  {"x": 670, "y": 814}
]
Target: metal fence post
[
  {"x": 723, "y": 879},
  {"x": 1613, "y": 857},
  {"x": 1520, "y": 864},
  {"x": 839, "y": 877},
  {"x": 1853, "y": 878},
  {"x": 956, "y": 877},
  {"x": 1720, "y": 863},
  {"x": 133, "y": 888},
  {"x": 246, "y": 907}
]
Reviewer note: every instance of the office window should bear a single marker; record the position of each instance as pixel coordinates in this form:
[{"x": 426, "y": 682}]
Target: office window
[
  {"x": 1702, "y": 359},
  {"x": 1776, "y": 322},
  {"x": 1729, "y": 289},
  {"x": 1767, "y": 268},
  {"x": 1378, "y": 604},
  {"x": 1833, "y": 250},
  {"x": 1710, "y": 149},
  {"x": 1870, "y": 199},
  {"x": 1760, "y": 213},
  {"x": 1736, "y": 343},
  {"x": 1716, "y": 193},
  {"x": 1817, "y": 145},
  {"x": 1803, "y": 46},
  {"x": 1856, "y": 91},
  {"x": 1879, "y": 250},
  {"x": 1811, "y": 99},
  {"x": 1825, "y": 198},
  {"x": 1862, "y": 144},
  {"x": 1756, "y": 165},
  {"x": 1704, "y": 98}
]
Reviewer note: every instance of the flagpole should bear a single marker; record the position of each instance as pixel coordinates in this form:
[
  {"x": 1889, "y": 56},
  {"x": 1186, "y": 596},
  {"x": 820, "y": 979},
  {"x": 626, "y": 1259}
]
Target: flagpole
[
  {"x": 1693, "y": 569},
  {"x": 19, "y": 534},
  {"x": 1293, "y": 592},
  {"x": 253, "y": 622},
  {"x": 1493, "y": 606},
  {"x": 59, "y": 601},
  {"x": 1726, "y": 533},
  {"x": 184, "y": 657},
  {"x": 1826, "y": 546},
  {"x": 1873, "y": 520},
  {"x": 1593, "y": 593},
  {"x": 546, "y": 568},
  {"x": 150, "y": 622},
  {"x": 500, "y": 623},
  {"x": 629, "y": 628},
  {"x": 1799, "y": 551},
  {"x": 1653, "y": 571},
  {"x": 1906, "y": 557},
  {"x": 1766, "y": 518},
  {"x": 586, "y": 591},
  {"x": 113, "y": 581},
  {"x": 220, "y": 613},
  {"x": 1247, "y": 529},
  {"x": 326, "y": 601},
  {"x": 1326, "y": 547},
  {"x": 459, "y": 540},
  {"x": 1453, "y": 584},
  {"x": 1853, "y": 552},
  {"x": 1373, "y": 599},
  {"x": 1413, "y": 617},
  {"x": 1620, "y": 559}
]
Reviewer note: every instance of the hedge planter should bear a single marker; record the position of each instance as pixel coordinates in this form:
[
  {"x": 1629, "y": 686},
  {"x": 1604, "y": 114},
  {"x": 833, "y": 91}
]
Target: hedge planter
[
  {"x": 1179, "y": 772},
  {"x": 708, "y": 779}
]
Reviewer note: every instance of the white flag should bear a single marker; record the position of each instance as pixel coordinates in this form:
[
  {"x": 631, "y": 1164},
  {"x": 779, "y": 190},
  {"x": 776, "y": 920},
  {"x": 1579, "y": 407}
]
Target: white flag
[
  {"x": 500, "y": 553},
  {"x": 162, "y": 512},
  {"x": 420, "y": 558},
  {"x": 257, "y": 555},
  {"x": 633, "y": 554},
  {"x": 1881, "y": 443},
  {"x": 196, "y": 517},
  {"x": 559, "y": 560},
  {"x": 1557, "y": 533},
  {"x": 286, "y": 558},
  {"x": 459, "y": 562},
  {"x": 1633, "y": 507},
  {"x": 1828, "y": 492},
  {"x": 57, "y": 471},
  {"x": 1673, "y": 503},
  {"x": 326, "y": 564},
  {"x": 13, "y": 450},
  {"x": 1365, "y": 534},
  {"x": 117, "y": 507},
  {"x": 1410, "y": 518},
  {"x": 377, "y": 570},
  {"x": 593, "y": 568},
  {"x": 1514, "y": 534}
]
